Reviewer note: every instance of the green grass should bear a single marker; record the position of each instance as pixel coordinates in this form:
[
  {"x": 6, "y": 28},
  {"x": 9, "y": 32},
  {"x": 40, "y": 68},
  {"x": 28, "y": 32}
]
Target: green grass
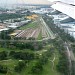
[
  {"x": 40, "y": 36},
  {"x": 10, "y": 64},
  {"x": 48, "y": 67},
  {"x": 30, "y": 25},
  {"x": 27, "y": 71},
  {"x": 2, "y": 74}
]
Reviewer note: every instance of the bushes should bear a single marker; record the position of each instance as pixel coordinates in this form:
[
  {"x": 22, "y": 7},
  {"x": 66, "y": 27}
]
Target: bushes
[
  {"x": 3, "y": 69},
  {"x": 22, "y": 55},
  {"x": 3, "y": 55},
  {"x": 20, "y": 66},
  {"x": 28, "y": 45},
  {"x": 37, "y": 69},
  {"x": 63, "y": 65}
]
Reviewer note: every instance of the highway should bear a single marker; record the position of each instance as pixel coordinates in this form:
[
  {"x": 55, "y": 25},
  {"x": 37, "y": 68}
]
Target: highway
[{"x": 70, "y": 55}]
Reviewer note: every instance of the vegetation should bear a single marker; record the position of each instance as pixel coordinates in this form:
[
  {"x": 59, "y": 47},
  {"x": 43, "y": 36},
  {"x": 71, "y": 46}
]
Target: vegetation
[
  {"x": 9, "y": 16},
  {"x": 22, "y": 55},
  {"x": 29, "y": 45},
  {"x": 20, "y": 61},
  {"x": 30, "y": 25},
  {"x": 5, "y": 34},
  {"x": 37, "y": 69},
  {"x": 35, "y": 58},
  {"x": 57, "y": 30},
  {"x": 3, "y": 69},
  {"x": 3, "y": 55},
  {"x": 62, "y": 66},
  {"x": 40, "y": 36},
  {"x": 19, "y": 67}
]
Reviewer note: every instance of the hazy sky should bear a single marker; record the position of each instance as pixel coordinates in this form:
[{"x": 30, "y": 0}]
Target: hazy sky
[{"x": 26, "y": 1}]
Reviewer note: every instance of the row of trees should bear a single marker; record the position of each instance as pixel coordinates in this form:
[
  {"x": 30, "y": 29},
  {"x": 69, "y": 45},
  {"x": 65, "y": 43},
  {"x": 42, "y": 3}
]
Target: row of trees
[
  {"x": 63, "y": 64},
  {"x": 9, "y": 16},
  {"x": 56, "y": 29},
  {"x": 22, "y": 55},
  {"x": 16, "y": 55},
  {"x": 29, "y": 45}
]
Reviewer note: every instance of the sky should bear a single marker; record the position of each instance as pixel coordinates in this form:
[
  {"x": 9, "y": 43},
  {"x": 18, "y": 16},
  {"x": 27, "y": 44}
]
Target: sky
[
  {"x": 26, "y": 1},
  {"x": 33, "y": 1}
]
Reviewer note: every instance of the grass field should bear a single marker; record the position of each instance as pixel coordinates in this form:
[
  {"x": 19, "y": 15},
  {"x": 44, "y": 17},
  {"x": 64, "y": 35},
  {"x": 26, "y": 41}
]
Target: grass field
[
  {"x": 40, "y": 36},
  {"x": 30, "y": 25}
]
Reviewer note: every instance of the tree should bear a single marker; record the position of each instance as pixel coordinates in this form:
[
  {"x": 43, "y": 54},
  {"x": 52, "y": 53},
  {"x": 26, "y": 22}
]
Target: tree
[
  {"x": 3, "y": 69},
  {"x": 37, "y": 69},
  {"x": 22, "y": 55},
  {"x": 3, "y": 55},
  {"x": 20, "y": 66},
  {"x": 63, "y": 65}
]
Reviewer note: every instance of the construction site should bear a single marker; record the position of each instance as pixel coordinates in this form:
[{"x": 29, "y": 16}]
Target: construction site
[{"x": 36, "y": 29}]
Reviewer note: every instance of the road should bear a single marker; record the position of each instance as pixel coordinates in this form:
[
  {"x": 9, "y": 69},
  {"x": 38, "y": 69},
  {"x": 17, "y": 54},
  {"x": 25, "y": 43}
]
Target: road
[
  {"x": 70, "y": 55},
  {"x": 54, "y": 58}
]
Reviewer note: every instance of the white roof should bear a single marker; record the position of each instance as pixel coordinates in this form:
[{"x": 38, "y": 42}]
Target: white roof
[
  {"x": 4, "y": 29},
  {"x": 13, "y": 26}
]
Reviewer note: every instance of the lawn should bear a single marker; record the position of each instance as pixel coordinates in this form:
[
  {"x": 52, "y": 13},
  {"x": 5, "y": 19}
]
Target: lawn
[
  {"x": 40, "y": 36},
  {"x": 30, "y": 25}
]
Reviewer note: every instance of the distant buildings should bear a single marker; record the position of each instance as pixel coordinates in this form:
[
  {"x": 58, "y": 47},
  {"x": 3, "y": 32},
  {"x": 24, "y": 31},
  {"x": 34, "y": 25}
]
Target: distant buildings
[{"x": 42, "y": 10}]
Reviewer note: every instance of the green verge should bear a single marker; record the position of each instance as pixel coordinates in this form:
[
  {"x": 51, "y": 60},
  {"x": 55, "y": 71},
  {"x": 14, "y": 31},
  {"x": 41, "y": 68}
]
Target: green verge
[{"x": 40, "y": 36}]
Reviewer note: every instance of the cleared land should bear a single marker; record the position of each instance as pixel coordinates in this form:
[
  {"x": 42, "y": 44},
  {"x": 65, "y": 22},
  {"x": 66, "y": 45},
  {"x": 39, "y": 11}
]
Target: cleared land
[{"x": 29, "y": 33}]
